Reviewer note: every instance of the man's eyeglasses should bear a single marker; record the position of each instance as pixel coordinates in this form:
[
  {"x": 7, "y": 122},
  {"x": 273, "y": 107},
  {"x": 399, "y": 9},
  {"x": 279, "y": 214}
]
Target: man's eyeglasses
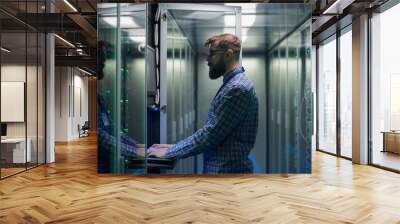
[{"x": 212, "y": 53}]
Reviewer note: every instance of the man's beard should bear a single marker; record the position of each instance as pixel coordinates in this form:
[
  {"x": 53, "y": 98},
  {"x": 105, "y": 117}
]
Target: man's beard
[{"x": 217, "y": 71}]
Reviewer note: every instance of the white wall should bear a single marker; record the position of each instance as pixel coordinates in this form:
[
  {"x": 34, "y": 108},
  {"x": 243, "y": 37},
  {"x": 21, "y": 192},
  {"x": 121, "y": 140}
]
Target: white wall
[
  {"x": 71, "y": 102},
  {"x": 13, "y": 73},
  {"x": 16, "y": 73},
  {"x": 61, "y": 103},
  {"x": 79, "y": 117}
]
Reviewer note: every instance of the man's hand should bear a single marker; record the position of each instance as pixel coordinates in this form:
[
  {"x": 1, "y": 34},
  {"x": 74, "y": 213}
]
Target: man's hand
[
  {"x": 140, "y": 150},
  {"x": 158, "y": 150}
]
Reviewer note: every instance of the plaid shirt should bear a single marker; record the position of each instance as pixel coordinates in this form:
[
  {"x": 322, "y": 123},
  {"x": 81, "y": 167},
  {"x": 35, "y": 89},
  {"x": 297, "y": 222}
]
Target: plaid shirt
[{"x": 230, "y": 130}]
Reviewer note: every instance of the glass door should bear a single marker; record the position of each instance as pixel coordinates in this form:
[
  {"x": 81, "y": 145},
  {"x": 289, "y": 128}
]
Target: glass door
[
  {"x": 327, "y": 97},
  {"x": 122, "y": 88},
  {"x": 178, "y": 46},
  {"x": 345, "y": 92},
  {"x": 184, "y": 30}
]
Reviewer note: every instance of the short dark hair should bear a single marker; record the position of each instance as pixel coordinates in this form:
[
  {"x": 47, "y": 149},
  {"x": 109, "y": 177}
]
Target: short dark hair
[{"x": 225, "y": 41}]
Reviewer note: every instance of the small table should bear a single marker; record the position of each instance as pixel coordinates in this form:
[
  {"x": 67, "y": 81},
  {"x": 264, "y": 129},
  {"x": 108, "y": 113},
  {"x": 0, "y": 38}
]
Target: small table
[
  {"x": 13, "y": 150},
  {"x": 391, "y": 141}
]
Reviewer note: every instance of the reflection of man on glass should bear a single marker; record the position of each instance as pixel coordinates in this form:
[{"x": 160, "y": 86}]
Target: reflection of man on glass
[
  {"x": 105, "y": 135},
  {"x": 231, "y": 127}
]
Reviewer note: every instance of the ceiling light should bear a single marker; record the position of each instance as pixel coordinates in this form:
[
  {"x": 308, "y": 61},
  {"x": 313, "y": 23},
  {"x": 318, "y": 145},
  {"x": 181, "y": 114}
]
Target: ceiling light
[
  {"x": 5, "y": 50},
  {"x": 79, "y": 51},
  {"x": 125, "y": 21},
  {"x": 138, "y": 39},
  {"x": 70, "y": 5},
  {"x": 244, "y": 38},
  {"x": 245, "y": 7},
  {"x": 86, "y": 72},
  {"x": 247, "y": 20},
  {"x": 337, "y": 7},
  {"x": 201, "y": 15},
  {"x": 230, "y": 20},
  {"x": 177, "y": 37},
  {"x": 64, "y": 40}
]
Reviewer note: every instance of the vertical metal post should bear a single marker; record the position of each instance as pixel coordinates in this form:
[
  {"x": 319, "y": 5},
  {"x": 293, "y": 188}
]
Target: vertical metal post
[
  {"x": 338, "y": 82},
  {"x": 360, "y": 90},
  {"x": 26, "y": 86},
  {"x": 146, "y": 83},
  {"x": 163, "y": 75},
  {"x": 369, "y": 90},
  {"x": 37, "y": 90},
  {"x": 317, "y": 97},
  {"x": 117, "y": 156},
  {"x": 0, "y": 93},
  {"x": 238, "y": 28}
]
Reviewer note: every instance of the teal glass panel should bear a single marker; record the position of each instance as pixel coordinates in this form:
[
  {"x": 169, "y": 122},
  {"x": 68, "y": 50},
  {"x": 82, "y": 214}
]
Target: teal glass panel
[
  {"x": 289, "y": 96},
  {"x": 180, "y": 91},
  {"x": 121, "y": 88}
]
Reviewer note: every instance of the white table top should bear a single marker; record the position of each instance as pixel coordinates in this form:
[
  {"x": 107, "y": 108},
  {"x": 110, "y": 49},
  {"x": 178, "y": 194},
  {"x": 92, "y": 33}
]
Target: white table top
[{"x": 13, "y": 140}]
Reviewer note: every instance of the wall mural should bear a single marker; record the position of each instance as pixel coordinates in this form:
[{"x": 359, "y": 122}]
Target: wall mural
[{"x": 186, "y": 89}]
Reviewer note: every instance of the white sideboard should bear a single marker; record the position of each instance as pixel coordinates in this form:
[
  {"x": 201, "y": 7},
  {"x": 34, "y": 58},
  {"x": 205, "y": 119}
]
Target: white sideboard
[{"x": 18, "y": 145}]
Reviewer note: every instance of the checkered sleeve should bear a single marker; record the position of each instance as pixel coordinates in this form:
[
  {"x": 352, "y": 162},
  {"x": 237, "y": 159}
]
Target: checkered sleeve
[
  {"x": 229, "y": 112},
  {"x": 108, "y": 140}
]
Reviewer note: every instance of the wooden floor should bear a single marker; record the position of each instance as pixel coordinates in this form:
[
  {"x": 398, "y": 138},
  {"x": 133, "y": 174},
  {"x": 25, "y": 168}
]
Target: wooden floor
[
  {"x": 387, "y": 159},
  {"x": 5, "y": 172},
  {"x": 70, "y": 191},
  {"x": 10, "y": 171}
]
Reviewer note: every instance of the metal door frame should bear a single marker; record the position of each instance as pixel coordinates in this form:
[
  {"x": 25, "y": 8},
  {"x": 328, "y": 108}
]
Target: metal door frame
[
  {"x": 162, "y": 35},
  {"x": 115, "y": 9}
]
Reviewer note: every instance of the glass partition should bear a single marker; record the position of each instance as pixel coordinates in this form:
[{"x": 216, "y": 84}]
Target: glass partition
[
  {"x": 385, "y": 89},
  {"x": 327, "y": 96},
  {"x": 15, "y": 151},
  {"x": 289, "y": 97},
  {"x": 290, "y": 90},
  {"x": 188, "y": 87},
  {"x": 22, "y": 92},
  {"x": 181, "y": 79},
  {"x": 122, "y": 88},
  {"x": 346, "y": 93}
]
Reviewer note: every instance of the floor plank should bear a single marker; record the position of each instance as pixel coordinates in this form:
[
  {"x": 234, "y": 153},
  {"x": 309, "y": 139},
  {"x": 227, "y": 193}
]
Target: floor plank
[{"x": 71, "y": 191}]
